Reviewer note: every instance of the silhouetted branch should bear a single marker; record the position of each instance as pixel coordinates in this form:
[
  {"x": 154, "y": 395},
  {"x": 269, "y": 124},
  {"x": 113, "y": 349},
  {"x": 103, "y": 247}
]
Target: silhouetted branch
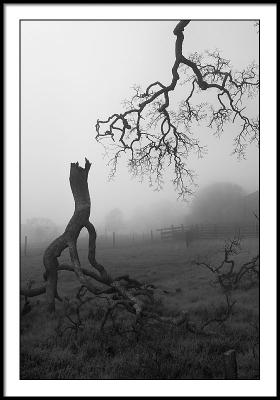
[
  {"x": 228, "y": 276},
  {"x": 155, "y": 136}
]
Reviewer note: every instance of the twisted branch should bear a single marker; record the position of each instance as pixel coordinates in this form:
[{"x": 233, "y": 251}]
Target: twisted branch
[
  {"x": 155, "y": 136},
  {"x": 121, "y": 290}
]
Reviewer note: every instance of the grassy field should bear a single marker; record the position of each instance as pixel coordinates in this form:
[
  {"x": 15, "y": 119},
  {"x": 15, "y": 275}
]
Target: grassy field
[{"x": 156, "y": 352}]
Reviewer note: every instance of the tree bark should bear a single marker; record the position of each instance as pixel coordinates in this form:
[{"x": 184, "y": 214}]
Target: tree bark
[
  {"x": 80, "y": 219},
  {"x": 79, "y": 187},
  {"x": 123, "y": 288}
]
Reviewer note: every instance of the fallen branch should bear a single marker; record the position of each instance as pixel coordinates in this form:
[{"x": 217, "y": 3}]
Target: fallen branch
[{"x": 120, "y": 292}]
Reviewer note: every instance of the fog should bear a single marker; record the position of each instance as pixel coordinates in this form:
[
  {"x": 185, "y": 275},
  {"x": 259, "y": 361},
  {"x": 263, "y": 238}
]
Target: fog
[{"x": 73, "y": 73}]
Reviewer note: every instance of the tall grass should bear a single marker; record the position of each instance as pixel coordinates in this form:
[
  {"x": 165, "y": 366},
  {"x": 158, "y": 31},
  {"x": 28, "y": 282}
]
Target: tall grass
[{"x": 157, "y": 351}]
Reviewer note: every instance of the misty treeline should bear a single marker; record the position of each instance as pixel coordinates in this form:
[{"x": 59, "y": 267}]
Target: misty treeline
[
  {"x": 39, "y": 230},
  {"x": 224, "y": 203},
  {"x": 219, "y": 203}
]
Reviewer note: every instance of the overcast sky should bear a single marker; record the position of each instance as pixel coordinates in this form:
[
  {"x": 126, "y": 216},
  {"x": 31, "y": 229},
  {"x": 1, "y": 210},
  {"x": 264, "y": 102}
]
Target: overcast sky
[{"x": 74, "y": 72}]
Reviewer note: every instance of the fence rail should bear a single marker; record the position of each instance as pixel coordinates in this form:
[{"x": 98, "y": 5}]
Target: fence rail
[{"x": 208, "y": 231}]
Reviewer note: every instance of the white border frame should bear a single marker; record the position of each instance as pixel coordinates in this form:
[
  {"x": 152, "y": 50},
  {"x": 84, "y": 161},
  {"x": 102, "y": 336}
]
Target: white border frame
[{"x": 266, "y": 386}]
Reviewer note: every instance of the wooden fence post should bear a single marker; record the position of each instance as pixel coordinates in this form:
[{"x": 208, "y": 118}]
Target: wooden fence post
[
  {"x": 230, "y": 364},
  {"x": 114, "y": 239},
  {"x": 25, "y": 245}
]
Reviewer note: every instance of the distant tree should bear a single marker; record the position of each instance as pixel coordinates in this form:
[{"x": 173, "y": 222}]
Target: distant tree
[
  {"x": 218, "y": 203},
  {"x": 40, "y": 229},
  {"x": 114, "y": 220},
  {"x": 157, "y": 215},
  {"x": 155, "y": 136}
]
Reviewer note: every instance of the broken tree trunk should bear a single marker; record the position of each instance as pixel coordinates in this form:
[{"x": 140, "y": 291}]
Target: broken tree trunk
[
  {"x": 80, "y": 219},
  {"x": 79, "y": 187},
  {"x": 124, "y": 291}
]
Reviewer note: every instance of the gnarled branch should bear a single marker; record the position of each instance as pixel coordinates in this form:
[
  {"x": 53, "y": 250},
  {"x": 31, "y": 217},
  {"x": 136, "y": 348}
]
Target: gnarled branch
[
  {"x": 123, "y": 288},
  {"x": 155, "y": 136}
]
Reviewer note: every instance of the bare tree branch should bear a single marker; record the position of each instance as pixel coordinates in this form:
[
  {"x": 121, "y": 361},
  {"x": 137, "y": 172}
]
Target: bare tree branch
[
  {"x": 228, "y": 275},
  {"x": 155, "y": 136}
]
